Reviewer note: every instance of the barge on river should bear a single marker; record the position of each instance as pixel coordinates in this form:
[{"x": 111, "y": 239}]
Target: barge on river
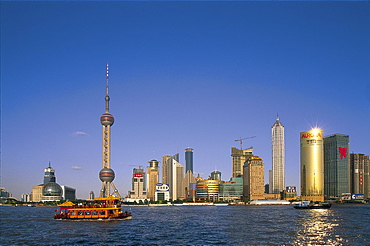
[
  {"x": 310, "y": 205},
  {"x": 106, "y": 208}
]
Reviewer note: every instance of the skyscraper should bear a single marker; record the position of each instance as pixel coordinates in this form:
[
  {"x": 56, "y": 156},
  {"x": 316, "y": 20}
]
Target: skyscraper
[
  {"x": 253, "y": 179},
  {"x": 165, "y": 163},
  {"x": 153, "y": 178},
  {"x": 278, "y": 157},
  {"x": 336, "y": 165},
  {"x": 239, "y": 157},
  {"x": 312, "y": 165},
  {"x": 106, "y": 174},
  {"x": 138, "y": 191},
  {"x": 189, "y": 160},
  {"x": 359, "y": 174}
]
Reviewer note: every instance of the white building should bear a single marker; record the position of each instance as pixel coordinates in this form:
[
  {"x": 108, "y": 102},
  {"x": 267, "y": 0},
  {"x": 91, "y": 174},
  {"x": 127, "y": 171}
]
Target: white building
[
  {"x": 278, "y": 158},
  {"x": 174, "y": 176},
  {"x": 162, "y": 192}
]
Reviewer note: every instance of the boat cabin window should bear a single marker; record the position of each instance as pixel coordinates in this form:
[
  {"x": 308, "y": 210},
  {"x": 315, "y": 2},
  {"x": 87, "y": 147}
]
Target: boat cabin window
[
  {"x": 87, "y": 213},
  {"x": 80, "y": 212},
  {"x": 94, "y": 212},
  {"x": 102, "y": 212},
  {"x": 73, "y": 213}
]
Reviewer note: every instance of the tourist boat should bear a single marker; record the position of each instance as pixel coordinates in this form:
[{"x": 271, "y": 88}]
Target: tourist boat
[
  {"x": 310, "y": 205},
  {"x": 106, "y": 208}
]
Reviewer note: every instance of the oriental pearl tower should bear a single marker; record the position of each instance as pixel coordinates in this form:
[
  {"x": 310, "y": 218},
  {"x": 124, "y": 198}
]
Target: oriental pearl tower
[{"x": 107, "y": 175}]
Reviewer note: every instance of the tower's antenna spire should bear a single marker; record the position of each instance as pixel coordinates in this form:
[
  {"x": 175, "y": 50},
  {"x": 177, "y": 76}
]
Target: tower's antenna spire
[{"x": 107, "y": 96}]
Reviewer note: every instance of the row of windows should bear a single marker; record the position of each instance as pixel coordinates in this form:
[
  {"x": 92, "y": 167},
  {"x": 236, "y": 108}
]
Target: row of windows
[{"x": 80, "y": 213}]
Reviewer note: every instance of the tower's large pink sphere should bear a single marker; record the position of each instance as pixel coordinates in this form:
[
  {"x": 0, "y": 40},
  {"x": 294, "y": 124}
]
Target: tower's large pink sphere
[
  {"x": 106, "y": 119},
  {"x": 106, "y": 174}
]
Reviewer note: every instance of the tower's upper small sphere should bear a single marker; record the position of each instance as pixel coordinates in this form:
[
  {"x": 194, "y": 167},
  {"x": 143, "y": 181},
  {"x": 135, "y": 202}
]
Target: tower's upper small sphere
[
  {"x": 106, "y": 174},
  {"x": 52, "y": 189},
  {"x": 106, "y": 119}
]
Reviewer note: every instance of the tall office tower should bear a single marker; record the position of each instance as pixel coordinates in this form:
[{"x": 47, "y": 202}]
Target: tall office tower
[
  {"x": 312, "y": 165},
  {"x": 253, "y": 179},
  {"x": 138, "y": 184},
  {"x": 336, "y": 165},
  {"x": 174, "y": 176},
  {"x": 278, "y": 157},
  {"x": 239, "y": 156},
  {"x": 165, "y": 161},
  {"x": 49, "y": 175},
  {"x": 106, "y": 174},
  {"x": 359, "y": 174},
  {"x": 153, "y": 178},
  {"x": 189, "y": 160},
  {"x": 216, "y": 175}
]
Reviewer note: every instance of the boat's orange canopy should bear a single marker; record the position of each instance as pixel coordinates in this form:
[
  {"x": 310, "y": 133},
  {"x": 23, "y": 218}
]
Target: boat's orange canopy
[
  {"x": 108, "y": 198},
  {"x": 66, "y": 204}
]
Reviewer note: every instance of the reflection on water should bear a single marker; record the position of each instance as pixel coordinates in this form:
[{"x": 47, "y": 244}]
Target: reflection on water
[{"x": 318, "y": 227}]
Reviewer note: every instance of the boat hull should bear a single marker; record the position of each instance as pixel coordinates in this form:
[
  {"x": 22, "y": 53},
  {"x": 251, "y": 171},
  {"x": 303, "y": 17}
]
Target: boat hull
[
  {"x": 312, "y": 206},
  {"x": 98, "y": 219}
]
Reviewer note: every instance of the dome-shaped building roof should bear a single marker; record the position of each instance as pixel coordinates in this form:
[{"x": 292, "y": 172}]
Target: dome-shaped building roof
[{"x": 52, "y": 189}]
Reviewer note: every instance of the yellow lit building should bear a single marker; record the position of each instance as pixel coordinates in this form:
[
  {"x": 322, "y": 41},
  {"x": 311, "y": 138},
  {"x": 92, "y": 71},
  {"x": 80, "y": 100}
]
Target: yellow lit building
[
  {"x": 312, "y": 165},
  {"x": 208, "y": 190}
]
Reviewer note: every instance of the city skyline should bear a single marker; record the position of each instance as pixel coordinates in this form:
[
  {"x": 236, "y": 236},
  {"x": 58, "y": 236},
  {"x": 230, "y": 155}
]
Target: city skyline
[{"x": 182, "y": 74}]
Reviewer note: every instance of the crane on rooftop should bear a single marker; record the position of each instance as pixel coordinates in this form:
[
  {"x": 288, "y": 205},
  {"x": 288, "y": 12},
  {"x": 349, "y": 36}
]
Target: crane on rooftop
[{"x": 241, "y": 141}]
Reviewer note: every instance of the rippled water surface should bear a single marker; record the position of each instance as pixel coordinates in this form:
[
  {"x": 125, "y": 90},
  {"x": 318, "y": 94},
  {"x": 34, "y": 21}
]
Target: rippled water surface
[{"x": 198, "y": 225}]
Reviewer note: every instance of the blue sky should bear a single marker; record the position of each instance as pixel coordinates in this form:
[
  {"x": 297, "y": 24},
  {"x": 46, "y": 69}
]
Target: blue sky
[{"x": 182, "y": 74}]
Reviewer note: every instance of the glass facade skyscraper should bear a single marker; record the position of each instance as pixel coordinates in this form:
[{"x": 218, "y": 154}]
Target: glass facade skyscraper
[
  {"x": 336, "y": 165},
  {"x": 189, "y": 160}
]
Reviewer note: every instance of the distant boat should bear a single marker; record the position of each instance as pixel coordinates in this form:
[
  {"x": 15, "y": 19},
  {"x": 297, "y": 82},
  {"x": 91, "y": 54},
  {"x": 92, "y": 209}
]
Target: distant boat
[
  {"x": 310, "y": 205},
  {"x": 106, "y": 208}
]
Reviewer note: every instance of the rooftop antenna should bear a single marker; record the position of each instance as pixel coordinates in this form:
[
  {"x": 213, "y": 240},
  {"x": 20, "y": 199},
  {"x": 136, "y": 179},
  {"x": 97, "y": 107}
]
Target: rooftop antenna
[{"x": 106, "y": 88}]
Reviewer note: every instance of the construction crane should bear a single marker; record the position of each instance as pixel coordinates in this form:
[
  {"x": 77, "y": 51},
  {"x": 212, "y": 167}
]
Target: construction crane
[{"x": 241, "y": 141}]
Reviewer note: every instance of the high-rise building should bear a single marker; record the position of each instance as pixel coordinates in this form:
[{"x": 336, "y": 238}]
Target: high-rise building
[
  {"x": 49, "y": 174},
  {"x": 189, "y": 160},
  {"x": 153, "y": 178},
  {"x": 359, "y": 174},
  {"x": 253, "y": 179},
  {"x": 312, "y": 165},
  {"x": 336, "y": 165},
  {"x": 239, "y": 157},
  {"x": 138, "y": 191},
  {"x": 278, "y": 157},
  {"x": 173, "y": 176},
  {"x": 165, "y": 162},
  {"x": 106, "y": 174}
]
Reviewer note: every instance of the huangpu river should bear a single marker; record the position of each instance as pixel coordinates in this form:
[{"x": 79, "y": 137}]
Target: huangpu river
[{"x": 193, "y": 225}]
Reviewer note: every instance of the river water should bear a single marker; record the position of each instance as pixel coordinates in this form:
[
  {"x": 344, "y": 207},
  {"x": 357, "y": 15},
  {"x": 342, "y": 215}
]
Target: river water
[{"x": 193, "y": 225}]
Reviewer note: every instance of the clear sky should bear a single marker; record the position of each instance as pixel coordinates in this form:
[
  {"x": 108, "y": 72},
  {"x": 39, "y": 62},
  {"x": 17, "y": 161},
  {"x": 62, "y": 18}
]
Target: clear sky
[{"x": 182, "y": 74}]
